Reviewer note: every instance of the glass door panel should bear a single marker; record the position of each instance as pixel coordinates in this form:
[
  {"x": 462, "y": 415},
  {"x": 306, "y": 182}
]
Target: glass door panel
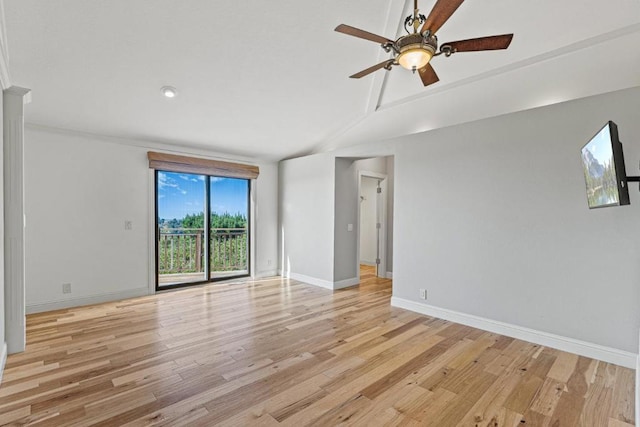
[
  {"x": 181, "y": 199},
  {"x": 229, "y": 240}
]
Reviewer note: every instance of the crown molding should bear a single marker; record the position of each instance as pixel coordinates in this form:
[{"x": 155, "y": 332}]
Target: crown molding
[{"x": 182, "y": 149}]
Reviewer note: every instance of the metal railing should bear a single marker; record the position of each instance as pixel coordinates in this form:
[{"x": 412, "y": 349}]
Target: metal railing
[{"x": 182, "y": 250}]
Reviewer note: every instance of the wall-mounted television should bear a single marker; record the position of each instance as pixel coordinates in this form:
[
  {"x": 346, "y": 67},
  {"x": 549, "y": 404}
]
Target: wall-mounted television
[{"x": 604, "y": 172}]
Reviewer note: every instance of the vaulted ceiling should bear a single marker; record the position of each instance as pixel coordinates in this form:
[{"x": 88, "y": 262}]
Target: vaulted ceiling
[{"x": 270, "y": 79}]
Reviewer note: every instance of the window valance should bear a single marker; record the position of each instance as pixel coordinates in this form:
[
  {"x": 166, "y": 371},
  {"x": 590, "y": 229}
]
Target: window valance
[{"x": 186, "y": 164}]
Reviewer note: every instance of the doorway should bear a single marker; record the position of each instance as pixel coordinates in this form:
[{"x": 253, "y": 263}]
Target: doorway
[{"x": 372, "y": 229}]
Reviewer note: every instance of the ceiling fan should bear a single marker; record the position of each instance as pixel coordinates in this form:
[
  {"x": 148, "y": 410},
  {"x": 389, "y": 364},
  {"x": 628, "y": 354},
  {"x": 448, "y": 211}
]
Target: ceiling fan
[{"x": 414, "y": 50}]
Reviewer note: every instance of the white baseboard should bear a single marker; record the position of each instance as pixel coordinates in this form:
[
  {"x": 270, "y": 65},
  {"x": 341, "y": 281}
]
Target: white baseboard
[
  {"x": 93, "y": 299},
  {"x": 311, "y": 280},
  {"x": 583, "y": 348},
  {"x": 324, "y": 283},
  {"x": 263, "y": 274},
  {"x": 346, "y": 283},
  {"x": 369, "y": 263},
  {"x": 3, "y": 360},
  {"x": 389, "y": 274}
]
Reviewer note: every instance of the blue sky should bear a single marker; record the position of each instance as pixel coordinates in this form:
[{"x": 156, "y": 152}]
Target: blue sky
[{"x": 180, "y": 194}]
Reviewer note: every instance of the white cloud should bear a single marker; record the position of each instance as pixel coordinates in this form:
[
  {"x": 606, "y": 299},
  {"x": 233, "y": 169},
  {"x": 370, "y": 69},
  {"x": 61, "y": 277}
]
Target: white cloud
[{"x": 166, "y": 181}]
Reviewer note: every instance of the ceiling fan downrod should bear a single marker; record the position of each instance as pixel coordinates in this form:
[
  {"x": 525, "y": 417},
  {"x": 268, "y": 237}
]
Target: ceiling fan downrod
[{"x": 414, "y": 20}]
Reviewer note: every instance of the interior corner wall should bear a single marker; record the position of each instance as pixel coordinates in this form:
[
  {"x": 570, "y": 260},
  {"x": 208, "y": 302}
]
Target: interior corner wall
[
  {"x": 79, "y": 190},
  {"x": 491, "y": 218},
  {"x": 307, "y": 218}
]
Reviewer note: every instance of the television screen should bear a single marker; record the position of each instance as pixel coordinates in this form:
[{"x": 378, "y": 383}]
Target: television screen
[{"x": 604, "y": 172}]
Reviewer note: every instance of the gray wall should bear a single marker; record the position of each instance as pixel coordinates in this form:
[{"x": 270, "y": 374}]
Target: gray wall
[
  {"x": 491, "y": 217},
  {"x": 318, "y": 199},
  {"x": 306, "y": 191},
  {"x": 346, "y": 212},
  {"x": 390, "y": 207}
]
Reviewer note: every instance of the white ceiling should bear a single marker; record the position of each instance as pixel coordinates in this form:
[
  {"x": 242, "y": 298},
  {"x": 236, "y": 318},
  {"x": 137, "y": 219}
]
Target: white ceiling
[{"x": 270, "y": 79}]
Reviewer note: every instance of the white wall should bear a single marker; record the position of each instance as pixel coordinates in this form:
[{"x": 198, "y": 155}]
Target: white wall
[
  {"x": 491, "y": 217},
  {"x": 266, "y": 229},
  {"x": 368, "y": 230},
  {"x": 79, "y": 190},
  {"x": 306, "y": 231}
]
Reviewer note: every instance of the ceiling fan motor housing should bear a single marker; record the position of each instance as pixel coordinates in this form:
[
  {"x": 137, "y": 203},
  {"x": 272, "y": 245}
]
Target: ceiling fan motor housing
[{"x": 417, "y": 41}]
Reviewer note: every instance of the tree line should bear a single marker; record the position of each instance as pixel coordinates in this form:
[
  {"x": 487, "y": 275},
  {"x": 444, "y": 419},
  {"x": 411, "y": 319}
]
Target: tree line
[{"x": 191, "y": 221}]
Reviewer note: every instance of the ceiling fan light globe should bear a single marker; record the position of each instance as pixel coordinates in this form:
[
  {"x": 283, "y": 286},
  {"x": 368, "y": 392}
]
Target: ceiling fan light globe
[{"x": 413, "y": 59}]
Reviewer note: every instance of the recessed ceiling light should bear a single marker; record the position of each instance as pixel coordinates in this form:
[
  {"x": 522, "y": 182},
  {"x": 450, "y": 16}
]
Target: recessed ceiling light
[{"x": 169, "y": 91}]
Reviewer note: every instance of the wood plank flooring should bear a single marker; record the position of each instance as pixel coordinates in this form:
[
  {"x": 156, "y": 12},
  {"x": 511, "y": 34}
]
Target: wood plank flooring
[{"x": 278, "y": 352}]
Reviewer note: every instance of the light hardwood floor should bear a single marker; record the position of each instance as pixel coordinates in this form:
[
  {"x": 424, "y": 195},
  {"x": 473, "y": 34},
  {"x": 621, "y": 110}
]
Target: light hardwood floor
[{"x": 279, "y": 352}]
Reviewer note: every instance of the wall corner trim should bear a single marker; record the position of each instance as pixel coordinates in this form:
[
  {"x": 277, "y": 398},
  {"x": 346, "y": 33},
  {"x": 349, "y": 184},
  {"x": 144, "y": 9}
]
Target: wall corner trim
[
  {"x": 582, "y": 348},
  {"x": 3, "y": 360}
]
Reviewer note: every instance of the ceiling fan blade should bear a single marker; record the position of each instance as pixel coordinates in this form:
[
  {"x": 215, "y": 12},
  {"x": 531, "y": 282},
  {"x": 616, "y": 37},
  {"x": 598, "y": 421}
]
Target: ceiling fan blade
[
  {"x": 372, "y": 69},
  {"x": 356, "y": 32},
  {"x": 441, "y": 12},
  {"x": 428, "y": 75},
  {"x": 481, "y": 43}
]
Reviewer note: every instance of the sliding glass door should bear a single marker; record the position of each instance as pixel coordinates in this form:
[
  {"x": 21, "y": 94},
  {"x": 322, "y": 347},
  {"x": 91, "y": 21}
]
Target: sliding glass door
[
  {"x": 229, "y": 244},
  {"x": 192, "y": 248}
]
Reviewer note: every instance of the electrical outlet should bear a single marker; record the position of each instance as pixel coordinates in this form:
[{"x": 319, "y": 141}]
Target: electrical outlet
[
  {"x": 423, "y": 293},
  {"x": 268, "y": 262},
  {"x": 66, "y": 288}
]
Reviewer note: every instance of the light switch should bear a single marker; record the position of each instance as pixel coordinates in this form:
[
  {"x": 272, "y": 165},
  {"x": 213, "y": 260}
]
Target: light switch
[{"x": 349, "y": 227}]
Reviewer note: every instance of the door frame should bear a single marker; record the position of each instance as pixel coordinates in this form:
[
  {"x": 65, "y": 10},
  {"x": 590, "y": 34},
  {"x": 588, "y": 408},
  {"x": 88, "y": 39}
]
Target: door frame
[
  {"x": 382, "y": 267},
  {"x": 154, "y": 281}
]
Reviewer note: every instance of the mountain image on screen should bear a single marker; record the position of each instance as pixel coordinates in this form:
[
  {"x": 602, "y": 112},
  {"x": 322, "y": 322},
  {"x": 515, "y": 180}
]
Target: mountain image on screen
[{"x": 599, "y": 170}]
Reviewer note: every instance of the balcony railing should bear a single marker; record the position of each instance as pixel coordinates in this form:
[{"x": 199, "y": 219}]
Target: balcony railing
[{"x": 182, "y": 250}]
